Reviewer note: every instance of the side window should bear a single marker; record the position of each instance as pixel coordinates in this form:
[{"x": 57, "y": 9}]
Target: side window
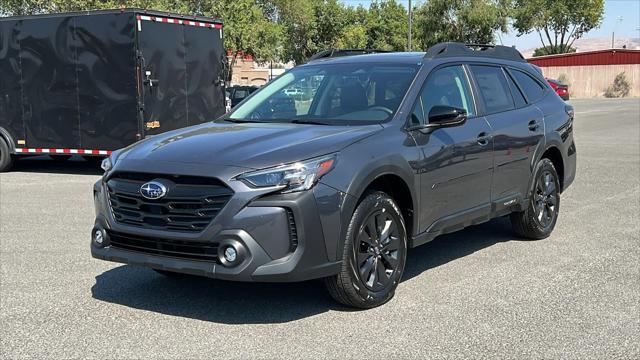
[
  {"x": 517, "y": 94},
  {"x": 494, "y": 88},
  {"x": 532, "y": 89},
  {"x": 448, "y": 86}
]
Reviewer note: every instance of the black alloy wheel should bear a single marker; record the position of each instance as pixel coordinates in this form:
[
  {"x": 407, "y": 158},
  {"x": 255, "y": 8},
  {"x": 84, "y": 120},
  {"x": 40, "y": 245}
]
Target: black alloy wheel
[
  {"x": 545, "y": 199},
  {"x": 374, "y": 254},
  {"x": 377, "y": 250},
  {"x": 539, "y": 218}
]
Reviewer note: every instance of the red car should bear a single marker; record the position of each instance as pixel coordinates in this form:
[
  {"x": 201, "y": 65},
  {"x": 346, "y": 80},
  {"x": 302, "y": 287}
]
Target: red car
[{"x": 561, "y": 89}]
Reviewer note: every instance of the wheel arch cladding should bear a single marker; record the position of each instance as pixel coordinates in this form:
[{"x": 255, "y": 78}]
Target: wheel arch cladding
[
  {"x": 553, "y": 153},
  {"x": 394, "y": 186}
]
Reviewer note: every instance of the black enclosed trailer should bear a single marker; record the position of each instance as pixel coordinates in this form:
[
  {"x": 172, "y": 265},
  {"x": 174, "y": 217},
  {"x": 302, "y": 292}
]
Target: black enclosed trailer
[{"x": 92, "y": 82}]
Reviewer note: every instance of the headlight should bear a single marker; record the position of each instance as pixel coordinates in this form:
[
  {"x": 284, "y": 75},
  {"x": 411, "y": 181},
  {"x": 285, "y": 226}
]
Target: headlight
[
  {"x": 109, "y": 162},
  {"x": 293, "y": 177},
  {"x": 106, "y": 164}
]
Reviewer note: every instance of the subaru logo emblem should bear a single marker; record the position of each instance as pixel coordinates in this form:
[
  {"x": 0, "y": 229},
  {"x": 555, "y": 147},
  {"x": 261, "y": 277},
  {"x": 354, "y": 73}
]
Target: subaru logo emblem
[{"x": 153, "y": 190}]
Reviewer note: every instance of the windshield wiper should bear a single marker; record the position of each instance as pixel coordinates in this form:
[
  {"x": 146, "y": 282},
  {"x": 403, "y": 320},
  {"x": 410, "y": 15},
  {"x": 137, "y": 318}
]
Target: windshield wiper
[
  {"x": 309, "y": 122},
  {"x": 241, "y": 121}
]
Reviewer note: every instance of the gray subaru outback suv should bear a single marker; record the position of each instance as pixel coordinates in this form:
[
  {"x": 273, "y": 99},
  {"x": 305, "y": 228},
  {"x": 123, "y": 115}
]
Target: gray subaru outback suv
[{"x": 369, "y": 156}]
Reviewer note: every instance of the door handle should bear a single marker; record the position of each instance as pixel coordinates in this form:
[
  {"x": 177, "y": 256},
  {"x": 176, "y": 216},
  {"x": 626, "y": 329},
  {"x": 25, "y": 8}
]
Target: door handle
[
  {"x": 533, "y": 125},
  {"x": 483, "y": 139}
]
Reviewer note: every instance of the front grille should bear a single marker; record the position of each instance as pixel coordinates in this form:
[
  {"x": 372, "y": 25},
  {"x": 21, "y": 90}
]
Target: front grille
[
  {"x": 190, "y": 205},
  {"x": 191, "y": 250},
  {"x": 293, "y": 231}
]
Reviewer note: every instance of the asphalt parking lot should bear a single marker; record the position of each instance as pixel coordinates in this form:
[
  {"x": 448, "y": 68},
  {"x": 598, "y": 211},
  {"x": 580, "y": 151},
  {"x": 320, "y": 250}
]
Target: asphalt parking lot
[{"x": 478, "y": 293}]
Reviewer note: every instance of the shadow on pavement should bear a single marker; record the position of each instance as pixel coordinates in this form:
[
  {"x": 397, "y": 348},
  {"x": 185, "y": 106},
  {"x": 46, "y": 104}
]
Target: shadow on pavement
[
  {"x": 43, "y": 164},
  {"x": 258, "y": 303}
]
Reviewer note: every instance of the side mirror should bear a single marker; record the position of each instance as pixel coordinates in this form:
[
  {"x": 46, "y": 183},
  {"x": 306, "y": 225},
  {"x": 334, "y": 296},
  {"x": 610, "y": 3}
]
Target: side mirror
[{"x": 441, "y": 116}]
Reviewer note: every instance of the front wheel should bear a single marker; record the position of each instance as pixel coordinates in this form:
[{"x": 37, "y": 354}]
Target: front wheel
[
  {"x": 541, "y": 214},
  {"x": 374, "y": 255}
]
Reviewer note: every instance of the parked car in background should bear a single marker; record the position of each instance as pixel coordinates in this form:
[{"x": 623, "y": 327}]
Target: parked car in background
[
  {"x": 561, "y": 89},
  {"x": 88, "y": 83},
  {"x": 293, "y": 92},
  {"x": 391, "y": 151},
  {"x": 239, "y": 93}
]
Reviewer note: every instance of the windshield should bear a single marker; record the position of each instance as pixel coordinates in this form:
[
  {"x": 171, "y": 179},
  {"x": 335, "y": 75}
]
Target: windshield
[{"x": 334, "y": 94}]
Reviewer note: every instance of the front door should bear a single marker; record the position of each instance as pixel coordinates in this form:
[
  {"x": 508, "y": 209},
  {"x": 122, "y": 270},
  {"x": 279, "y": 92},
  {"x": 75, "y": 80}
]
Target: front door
[{"x": 457, "y": 167}]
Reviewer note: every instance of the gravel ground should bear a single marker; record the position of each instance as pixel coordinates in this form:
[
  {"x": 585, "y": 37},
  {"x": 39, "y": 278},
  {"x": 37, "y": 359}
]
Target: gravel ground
[{"x": 478, "y": 293}]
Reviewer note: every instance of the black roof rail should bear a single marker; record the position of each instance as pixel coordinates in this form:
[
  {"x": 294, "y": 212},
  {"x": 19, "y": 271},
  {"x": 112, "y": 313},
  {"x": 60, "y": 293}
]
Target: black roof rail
[
  {"x": 333, "y": 53},
  {"x": 451, "y": 49}
]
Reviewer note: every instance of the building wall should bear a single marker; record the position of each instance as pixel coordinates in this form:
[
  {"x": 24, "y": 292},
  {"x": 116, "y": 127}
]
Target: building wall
[
  {"x": 592, "y": 80},
  {"x": 244, "y": 73}
]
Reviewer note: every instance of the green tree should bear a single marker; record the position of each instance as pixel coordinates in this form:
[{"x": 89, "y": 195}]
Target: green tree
[
  {"x": 330, "y": 19},
  {"x": 247, "y": 31},
  {"x": 386, "y": 24},
  {"x": 468, "y": 21},
  {"x": 353, "y": 37},
  {"x": 33, "y": 7},
  {"x": 549, "y": 50},
  {"x": 310, "y": 26},
  {"x": 558, "y": 23}
]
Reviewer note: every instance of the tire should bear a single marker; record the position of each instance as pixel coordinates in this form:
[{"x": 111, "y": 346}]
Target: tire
[
  {"x": 540, "y": 217},
  {"x": 368, "y": 252},
  {"x": 6, "y": 159}
]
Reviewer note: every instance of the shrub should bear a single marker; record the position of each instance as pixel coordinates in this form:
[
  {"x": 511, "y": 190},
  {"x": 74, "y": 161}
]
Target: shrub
[{"x": 620, "y": 88}]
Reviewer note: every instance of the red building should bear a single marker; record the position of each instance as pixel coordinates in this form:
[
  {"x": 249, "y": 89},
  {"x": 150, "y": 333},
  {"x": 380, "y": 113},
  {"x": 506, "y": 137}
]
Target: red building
[{"x": 589, "y": 73}]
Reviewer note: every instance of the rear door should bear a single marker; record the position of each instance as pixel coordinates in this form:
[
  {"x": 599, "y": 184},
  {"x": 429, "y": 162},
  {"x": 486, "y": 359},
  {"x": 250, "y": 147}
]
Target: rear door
[
  {"x": 164, "y": 76},
  {"x": 181, "y": 72},
  {"x": 517, "y": 129},
  {"x": 205, "y": 73},
  {"x": 49, "y": 92}
]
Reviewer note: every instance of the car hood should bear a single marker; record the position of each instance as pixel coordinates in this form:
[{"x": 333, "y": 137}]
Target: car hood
[{"x": 249, "y": 145}]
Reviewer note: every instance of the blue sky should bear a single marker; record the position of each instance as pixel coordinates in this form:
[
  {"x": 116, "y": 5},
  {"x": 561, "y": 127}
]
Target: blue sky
[{"x": 628, "y": 9}]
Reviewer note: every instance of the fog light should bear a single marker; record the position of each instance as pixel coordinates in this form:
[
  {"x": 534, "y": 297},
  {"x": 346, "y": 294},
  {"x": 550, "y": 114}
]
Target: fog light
[
  {"x": 98, "y": 237},
  {"x": 230, "y": 254}
]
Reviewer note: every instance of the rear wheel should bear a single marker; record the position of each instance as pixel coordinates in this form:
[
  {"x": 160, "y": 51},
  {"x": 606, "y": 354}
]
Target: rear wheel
[
  {"x": 6, "y": 159},
  {"x": 374, "y": 254},
  {"x": 539, "y": 219}
]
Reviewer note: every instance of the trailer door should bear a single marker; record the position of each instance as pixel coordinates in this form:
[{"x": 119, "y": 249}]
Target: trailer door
[
  {"x": 10, "y": 92},
  {"x": 164, "y": 76},
  {"x": 205, "y": 73},
  {"x": 107, "y": 98},
  {"x": 49, "y": 82}
]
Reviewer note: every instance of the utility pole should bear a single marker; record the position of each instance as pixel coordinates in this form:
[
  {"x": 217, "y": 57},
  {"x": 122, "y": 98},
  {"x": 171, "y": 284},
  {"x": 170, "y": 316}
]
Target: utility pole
[
  {"x": 410, "y": 25},
  {"x": 613, "y": 33}
]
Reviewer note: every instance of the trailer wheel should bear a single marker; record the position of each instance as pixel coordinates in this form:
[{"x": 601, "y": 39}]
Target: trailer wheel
[{"x": 6, "y": 159}]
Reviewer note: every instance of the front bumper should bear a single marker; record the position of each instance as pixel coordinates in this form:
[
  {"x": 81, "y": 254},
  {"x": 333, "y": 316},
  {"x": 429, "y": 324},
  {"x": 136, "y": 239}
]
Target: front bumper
[{"x": 256, "y": 220}]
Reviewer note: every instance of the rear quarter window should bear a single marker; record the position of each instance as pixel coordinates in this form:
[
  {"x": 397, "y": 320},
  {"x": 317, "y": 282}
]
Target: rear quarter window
[
  {"x": 494, "y": 88},
  {"x": 532, "y": 89}
]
